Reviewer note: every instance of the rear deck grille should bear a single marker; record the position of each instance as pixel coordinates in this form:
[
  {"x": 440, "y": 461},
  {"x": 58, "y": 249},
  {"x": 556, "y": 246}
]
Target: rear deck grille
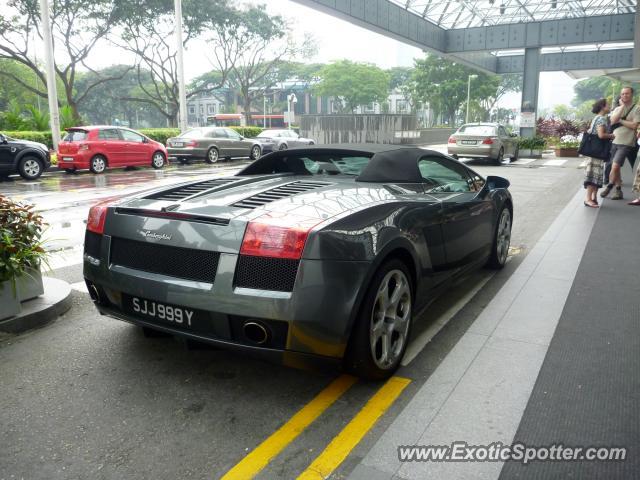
[
  {"x": 264, "y": 273},
  {"x": 279, "y": 193},
  {"x": 199, "y": 265},
  {"x": 185, "y": 191}
]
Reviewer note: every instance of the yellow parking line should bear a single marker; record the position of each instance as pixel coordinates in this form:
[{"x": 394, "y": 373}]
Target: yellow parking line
[
  {"x": 255, "y": 461},
  {"x": 356, "y": 429}
]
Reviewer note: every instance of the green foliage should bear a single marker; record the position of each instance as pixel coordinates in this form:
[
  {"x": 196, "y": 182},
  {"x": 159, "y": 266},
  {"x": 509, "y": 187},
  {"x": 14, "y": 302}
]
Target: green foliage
[
  {"x": 39, "y": 120},
  {"x": 248, "y": 132},
  {"x": 40, "y": 137},
  {"x": 160, "y": 134},
  {"x": 354, "y": 84},
  {"x": 20, "y": 239},
  {"x": 532, "y": 143},
  {"x": 12, "y": 119},
  {"x": 563, "y": 112}
]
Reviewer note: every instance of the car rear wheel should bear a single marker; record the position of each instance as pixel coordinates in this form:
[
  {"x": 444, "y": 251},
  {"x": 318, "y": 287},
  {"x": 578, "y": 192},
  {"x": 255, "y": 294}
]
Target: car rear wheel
[
  {"x": 212, "y": 155},
  {"x": 255, "y": 152},
  {"x": 501, "y": 240},
  {"x": 380, "y": 335},
  {"x": 283, "y": 146},
  {"x": 98, "y": 164},
  {"x": 500, "y": 158},
  {"x": 158, "y": 160},
  {"x": 30, "y": 168},
  {"x": 516, "y": 155}
]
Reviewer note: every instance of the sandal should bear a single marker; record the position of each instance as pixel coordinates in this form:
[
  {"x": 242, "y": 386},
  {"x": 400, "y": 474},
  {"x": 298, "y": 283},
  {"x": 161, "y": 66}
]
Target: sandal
[
  {"x": 591, "y": 204},
  {"x": 635, "y": 202}
]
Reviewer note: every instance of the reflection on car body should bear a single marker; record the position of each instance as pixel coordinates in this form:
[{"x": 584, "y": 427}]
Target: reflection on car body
[
  {"x": 484, "y": 140},
  {"x": 306, "y": 256},
  {"x": 211, "y": 144},
  {"x": 283, "y": 139}
]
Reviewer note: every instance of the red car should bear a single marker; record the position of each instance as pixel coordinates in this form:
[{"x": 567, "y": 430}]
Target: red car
[{"x": 99, "y": 147}]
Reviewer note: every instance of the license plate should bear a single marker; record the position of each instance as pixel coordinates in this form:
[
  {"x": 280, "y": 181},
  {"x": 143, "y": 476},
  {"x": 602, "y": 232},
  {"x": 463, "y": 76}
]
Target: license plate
[
  {"x": 468, "y": 142},
  {"x": 67, "y": 159},
  {"x": 152, "y": 310},
  {"x": 178, "y": 144}
]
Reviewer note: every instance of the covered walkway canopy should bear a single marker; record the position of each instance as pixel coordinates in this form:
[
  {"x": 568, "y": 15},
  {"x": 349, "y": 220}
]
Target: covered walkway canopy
[{"x": 580, "y": 37}]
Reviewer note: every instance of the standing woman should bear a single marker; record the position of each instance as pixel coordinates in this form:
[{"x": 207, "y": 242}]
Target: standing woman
[{"x": 594, "y": 169}]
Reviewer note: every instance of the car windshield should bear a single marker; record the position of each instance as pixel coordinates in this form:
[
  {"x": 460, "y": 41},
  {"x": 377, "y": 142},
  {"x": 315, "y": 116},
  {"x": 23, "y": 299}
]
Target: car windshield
[
  {"x": 268, "y": 133},
  {"x": 75, "y": 136},
  {"x": 316, "y": 163},
  {"x": 195, "y": 133},
  {"x": 477, "y": 130}
]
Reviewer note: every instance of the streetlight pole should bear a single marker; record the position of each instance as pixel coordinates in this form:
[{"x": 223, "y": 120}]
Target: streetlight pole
[
  {"x": 182, "y": 101},
  {"x": 52, "y": 93},
  {"x": 264, "y": 110},
  {"x": 469, "y": 95}
]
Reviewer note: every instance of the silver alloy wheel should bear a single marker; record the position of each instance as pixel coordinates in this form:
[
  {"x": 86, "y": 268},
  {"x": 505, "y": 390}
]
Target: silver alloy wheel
[
  {"x": 212, "y": 155},
  {"x": 500, "y": 158},
  {"x": 390, "y": 318},
  {"x": 157, "y": 160},
  {"x": 98, "y": 164},
  {"x": 283, "y": 146},
  {"x": 32, "y": 168},
  {"x": 503, "y": 236},
  {"x": 255, "y": 152}
]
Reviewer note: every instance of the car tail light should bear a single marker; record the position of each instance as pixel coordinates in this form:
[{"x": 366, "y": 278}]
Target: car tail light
[
  {"x": 83, "y": 146},
  {"x": 277, "y": 237},
  {"x": 487, "y": 141},
  {"x": 452, "y": 140},
  {"x": 192, "y": 143},
  {"x": 98, "y": 215}
]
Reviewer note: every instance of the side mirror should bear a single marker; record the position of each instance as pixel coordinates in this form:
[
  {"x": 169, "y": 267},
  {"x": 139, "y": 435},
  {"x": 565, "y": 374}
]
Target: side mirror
[
  {"x": 494, "y": 182},
  {"x": 241, "y": 137}
]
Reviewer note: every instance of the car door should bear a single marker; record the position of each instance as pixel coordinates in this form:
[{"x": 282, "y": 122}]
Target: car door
[
  {"x": 467, "y": 213},
  {"x": 218, "y": 137},
  {"x": 6, "y": 156},
  {"x": 240, "y": 146},
  {"x": 135, "y": 148},
  {"x": 111, "y": 144}
]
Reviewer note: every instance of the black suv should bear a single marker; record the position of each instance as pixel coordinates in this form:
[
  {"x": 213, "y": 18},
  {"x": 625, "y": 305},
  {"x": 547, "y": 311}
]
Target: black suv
[{"x": 29, "y": 159}]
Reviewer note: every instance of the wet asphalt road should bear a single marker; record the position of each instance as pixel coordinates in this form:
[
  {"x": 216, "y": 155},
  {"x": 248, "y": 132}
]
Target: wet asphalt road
[{"x": 90, "y": 397}]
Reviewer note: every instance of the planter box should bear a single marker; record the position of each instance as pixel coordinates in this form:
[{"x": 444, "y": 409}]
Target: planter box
[
  {"x": 9, "y": 303},
  {"x": 29, "y": 284},
  {"x": 525, "y": 152},
  {"x": 566, "y": 152}
]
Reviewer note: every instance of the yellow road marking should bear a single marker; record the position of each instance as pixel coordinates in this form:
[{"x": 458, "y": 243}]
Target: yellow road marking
[
  {"x": 255, "y": 461},
  {"x": 356, "y": 429}
]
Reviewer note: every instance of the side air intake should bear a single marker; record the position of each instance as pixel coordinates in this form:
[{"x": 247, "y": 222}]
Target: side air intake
[{"x": 279, "y": 193}]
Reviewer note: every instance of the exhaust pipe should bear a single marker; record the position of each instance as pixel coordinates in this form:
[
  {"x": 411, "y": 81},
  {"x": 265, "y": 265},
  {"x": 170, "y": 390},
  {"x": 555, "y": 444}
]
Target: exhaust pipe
[
  {"x": 255, "y": 332},
  {"x": 94, "y": 294}
]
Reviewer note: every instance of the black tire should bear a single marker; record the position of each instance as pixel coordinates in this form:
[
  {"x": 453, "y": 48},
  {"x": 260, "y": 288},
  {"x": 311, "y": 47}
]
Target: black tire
[
  {"x": 98, "y": 164},
  {"x": 212, "y": 155},
  {"x": 516, "y": 155},
  {"x": 70, "y": 170},
  {"x": 312, "y": 143},
  {"x": 283, "y": 146},
  {"x": 183, "y": 161},
  {"x": 30, "y": 167},
  {"x": 501, "y": 240},
  {"x": 500, "y": 159},
  {"x": 365, "y": 357},
  {"x": 158, "y": 160},
  {"x": 256, "y": 151}
]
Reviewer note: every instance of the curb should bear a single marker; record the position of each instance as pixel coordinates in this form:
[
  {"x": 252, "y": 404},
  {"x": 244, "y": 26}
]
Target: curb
[{"x": 41, "y": 310}]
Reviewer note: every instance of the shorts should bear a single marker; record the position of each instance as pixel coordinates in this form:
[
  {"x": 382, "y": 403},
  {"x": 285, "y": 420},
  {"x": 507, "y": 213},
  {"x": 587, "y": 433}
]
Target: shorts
[{"x": 620, "y": 152}]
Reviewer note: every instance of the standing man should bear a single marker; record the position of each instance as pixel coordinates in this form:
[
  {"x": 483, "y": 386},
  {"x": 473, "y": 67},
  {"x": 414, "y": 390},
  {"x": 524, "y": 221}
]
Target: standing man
[{"x": 628, "y": 116}]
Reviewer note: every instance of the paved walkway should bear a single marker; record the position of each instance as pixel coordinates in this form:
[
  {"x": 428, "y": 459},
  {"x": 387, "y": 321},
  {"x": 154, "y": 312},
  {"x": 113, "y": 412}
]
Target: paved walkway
[{"x": 552, "y": 359}]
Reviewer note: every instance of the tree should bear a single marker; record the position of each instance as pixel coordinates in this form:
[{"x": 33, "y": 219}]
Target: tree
[
  {"x": 77, "y": 27},
  {"x": 399, "y": 77},
  {"x": 595, "y": 88},
  {"x": 261, "y": 53},
  {"x": 563, "y": 112},
  {"x": 353, "y": 84}
]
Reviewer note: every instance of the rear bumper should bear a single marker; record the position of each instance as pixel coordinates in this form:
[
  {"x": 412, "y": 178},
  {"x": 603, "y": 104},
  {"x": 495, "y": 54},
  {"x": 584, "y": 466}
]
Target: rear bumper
[
  {"x": 317, "y": 314},
  {"x": 479, "y": 151},
  {"x": 74, "y": 160},
  {"x": 186, "y": 152}
]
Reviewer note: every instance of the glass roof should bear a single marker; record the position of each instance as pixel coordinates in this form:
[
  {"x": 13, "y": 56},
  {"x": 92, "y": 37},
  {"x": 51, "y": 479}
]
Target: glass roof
[{"x": 450, "y": 14}]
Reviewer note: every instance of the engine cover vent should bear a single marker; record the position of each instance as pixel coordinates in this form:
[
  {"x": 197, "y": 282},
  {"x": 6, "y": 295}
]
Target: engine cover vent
[
  {"x": 279, "y": 193},
  {"x": 191, "y": 190}
]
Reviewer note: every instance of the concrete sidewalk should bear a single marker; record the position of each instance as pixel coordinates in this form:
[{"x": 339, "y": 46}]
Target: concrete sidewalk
[{"x": 480, "y": 391}]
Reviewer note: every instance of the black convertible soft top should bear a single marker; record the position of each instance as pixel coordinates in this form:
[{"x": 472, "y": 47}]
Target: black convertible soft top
[{"x": 388, "y": 164}]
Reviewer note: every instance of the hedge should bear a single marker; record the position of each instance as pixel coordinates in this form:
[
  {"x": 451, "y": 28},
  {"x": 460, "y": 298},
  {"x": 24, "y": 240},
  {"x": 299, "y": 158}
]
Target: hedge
[{"x": 158, "y": 134}]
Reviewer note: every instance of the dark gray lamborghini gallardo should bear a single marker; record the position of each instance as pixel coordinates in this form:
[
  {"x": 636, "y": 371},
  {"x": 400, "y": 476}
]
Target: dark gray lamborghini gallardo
[{"x": 306, "y": 255}]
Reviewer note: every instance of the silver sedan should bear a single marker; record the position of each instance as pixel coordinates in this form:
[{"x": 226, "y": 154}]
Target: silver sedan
[{"x": 484, "y": 140}]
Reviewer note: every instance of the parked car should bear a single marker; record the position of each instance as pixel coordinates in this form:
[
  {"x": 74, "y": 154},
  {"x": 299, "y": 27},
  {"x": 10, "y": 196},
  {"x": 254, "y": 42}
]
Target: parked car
[
  {"x": 281, "y": 140},
  {"x": 315, "y": 254},
  {"x": 212, "y": 143},
  {"x": 484, "y": 140},
  {"x": 100, "y": 147},
  {"x": 26, "y": 158}
]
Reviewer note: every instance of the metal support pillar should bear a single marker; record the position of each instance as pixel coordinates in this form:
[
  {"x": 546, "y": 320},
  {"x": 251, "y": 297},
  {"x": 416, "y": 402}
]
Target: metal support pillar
[
  {"x": 636, "y": 37},
  {"x": 54, "y": 115},
  {"x": 182, "y": 101},
  {"x": 530, "y": 81}
]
